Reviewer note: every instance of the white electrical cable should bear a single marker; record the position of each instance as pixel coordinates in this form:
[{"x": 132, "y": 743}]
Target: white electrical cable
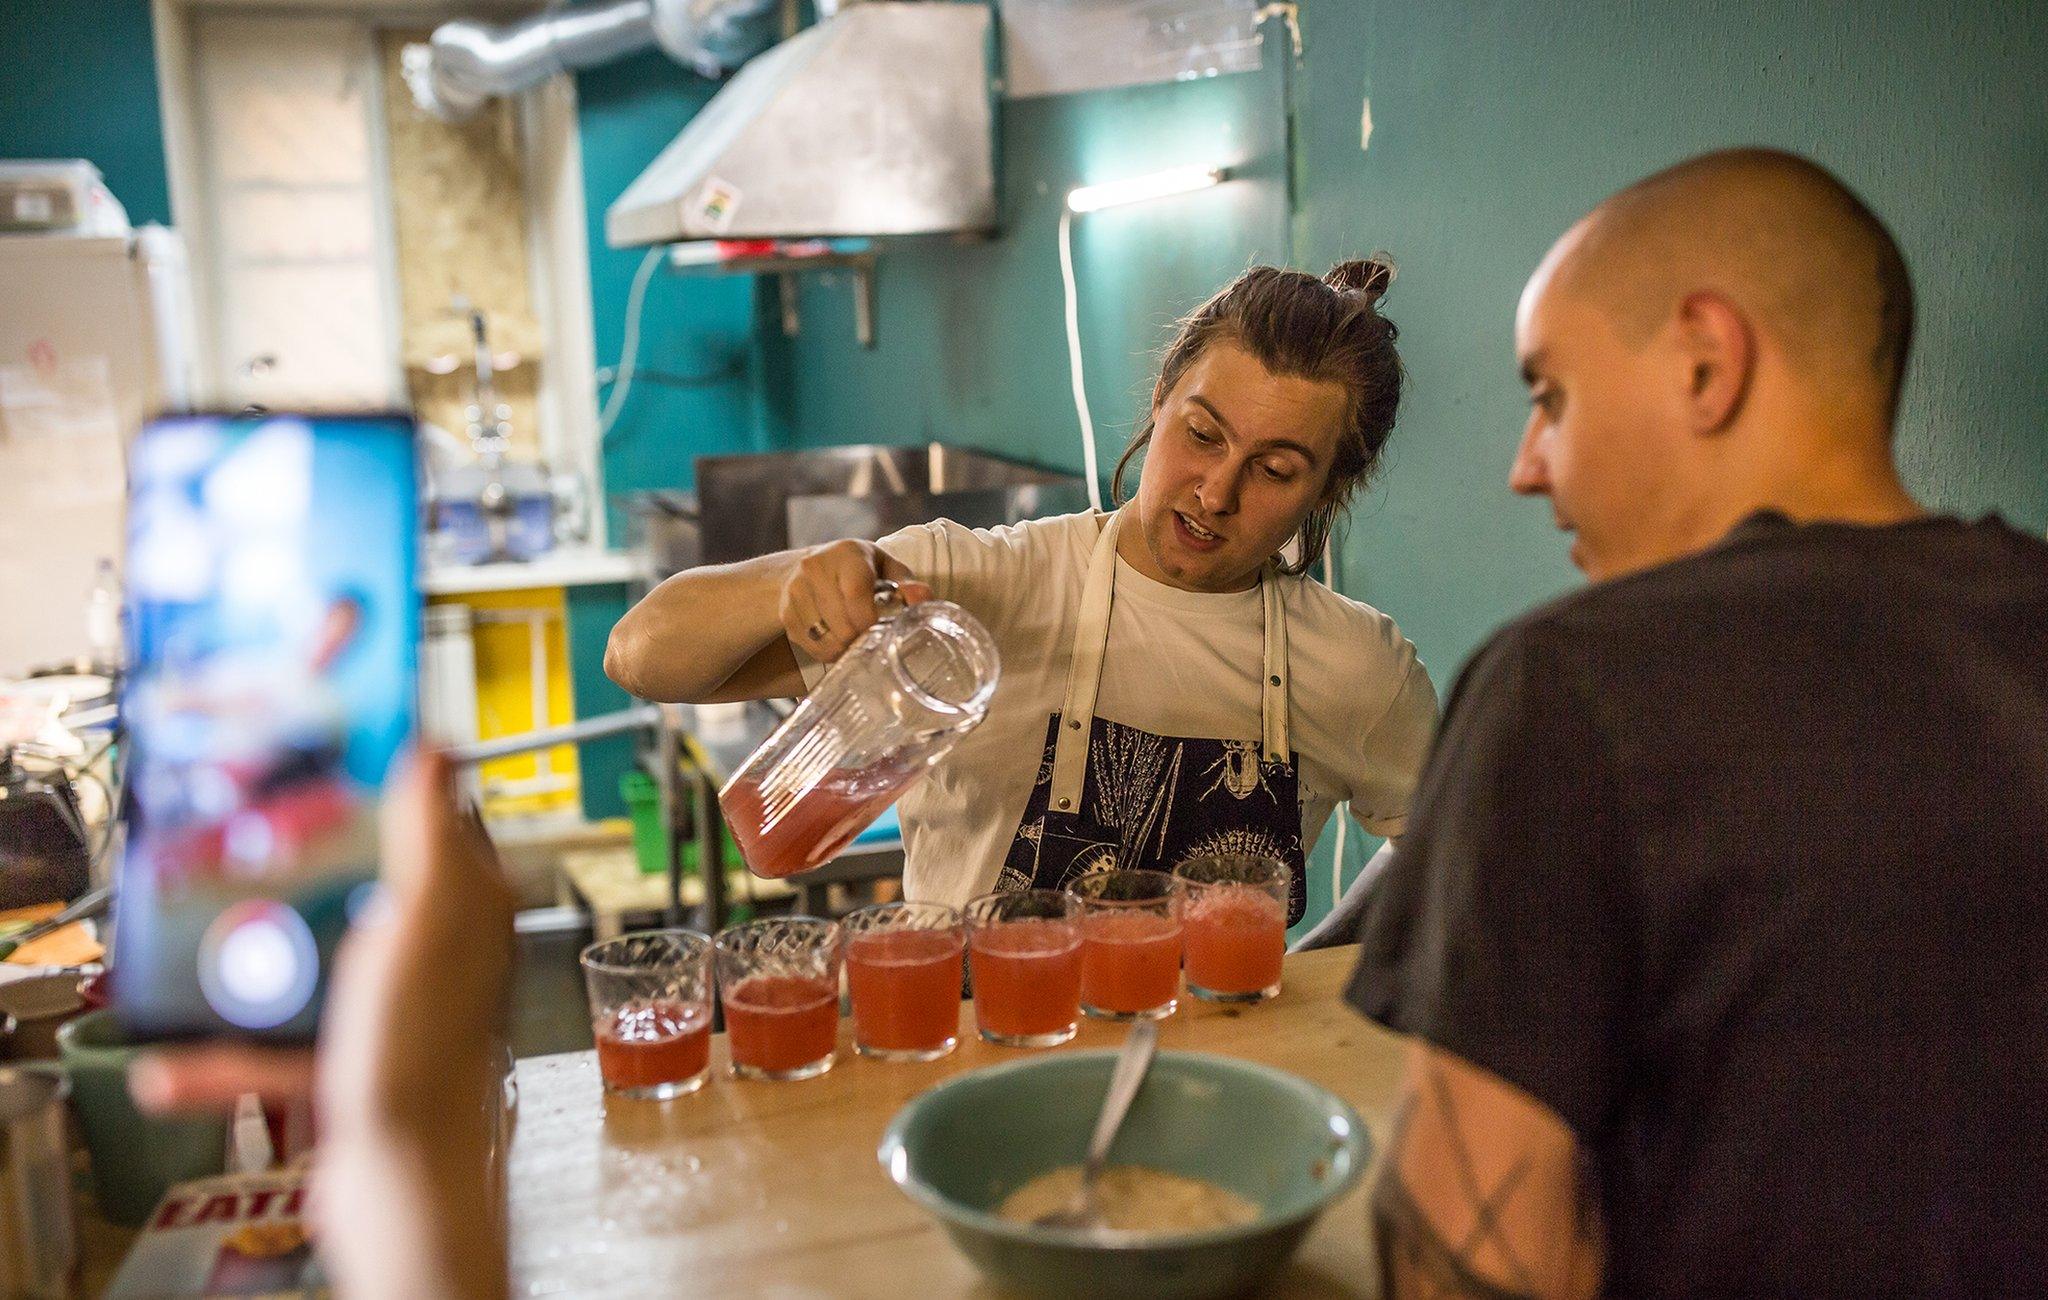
[
  {"x": 629, "y": 347},
  {"x": 1074, "y": 359}
]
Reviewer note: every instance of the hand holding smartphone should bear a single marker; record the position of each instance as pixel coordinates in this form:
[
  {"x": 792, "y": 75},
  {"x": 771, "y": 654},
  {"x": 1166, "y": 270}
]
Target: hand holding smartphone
[{"x": 272, "y": 642}]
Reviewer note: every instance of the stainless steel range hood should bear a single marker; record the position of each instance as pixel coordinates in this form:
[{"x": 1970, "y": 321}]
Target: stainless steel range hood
[{"x": 876, "y": 121}]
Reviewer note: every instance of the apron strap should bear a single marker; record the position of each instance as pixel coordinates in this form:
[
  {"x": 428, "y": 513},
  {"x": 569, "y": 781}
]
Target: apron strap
[
  {"x": 1273, "y": 688},
  {"x": 1084, "y": 672}
]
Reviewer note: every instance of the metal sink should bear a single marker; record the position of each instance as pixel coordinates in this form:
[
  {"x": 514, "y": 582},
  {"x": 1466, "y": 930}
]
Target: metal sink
[{"x": 754, "y": 504}]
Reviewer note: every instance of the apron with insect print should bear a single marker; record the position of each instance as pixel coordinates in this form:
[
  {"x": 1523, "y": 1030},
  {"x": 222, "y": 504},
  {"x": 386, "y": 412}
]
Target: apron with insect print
[{"x": 1109, "y": 794}]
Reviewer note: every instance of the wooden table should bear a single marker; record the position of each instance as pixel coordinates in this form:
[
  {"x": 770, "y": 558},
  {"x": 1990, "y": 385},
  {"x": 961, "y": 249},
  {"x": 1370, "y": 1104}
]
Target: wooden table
[{"x": 772, "y": 1189}]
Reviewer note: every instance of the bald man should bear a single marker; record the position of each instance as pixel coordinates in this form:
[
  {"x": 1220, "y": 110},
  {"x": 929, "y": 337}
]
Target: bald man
[{"x": 1721, "y": 923}]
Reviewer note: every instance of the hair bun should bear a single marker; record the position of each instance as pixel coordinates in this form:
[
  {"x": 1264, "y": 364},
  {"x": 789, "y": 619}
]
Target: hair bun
[{"x": 1369, "y": 277}]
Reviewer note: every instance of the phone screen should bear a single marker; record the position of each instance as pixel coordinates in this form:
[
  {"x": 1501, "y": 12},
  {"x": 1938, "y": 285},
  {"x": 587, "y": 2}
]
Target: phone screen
[{"x": 273, "y": 626}]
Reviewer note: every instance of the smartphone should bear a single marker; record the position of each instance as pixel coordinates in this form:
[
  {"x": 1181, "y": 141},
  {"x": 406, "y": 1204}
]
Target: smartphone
[{"x": 273, "y": 632}]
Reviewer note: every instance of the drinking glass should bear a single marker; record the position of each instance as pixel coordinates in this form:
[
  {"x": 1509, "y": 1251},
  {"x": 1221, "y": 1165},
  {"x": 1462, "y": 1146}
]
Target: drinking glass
[
  {"x": 1234, "y": 918},
  {"x": 903, "y": 971},
  {"x": 1130, "y": 944},
  {"x": 779, "y": 982},
  {"x": 650, "y": 1011},
  {"x": 1024, "y": 948}
]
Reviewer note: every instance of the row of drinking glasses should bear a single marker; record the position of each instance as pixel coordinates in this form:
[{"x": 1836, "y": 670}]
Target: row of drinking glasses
[{"x": 1112, "y": 945}]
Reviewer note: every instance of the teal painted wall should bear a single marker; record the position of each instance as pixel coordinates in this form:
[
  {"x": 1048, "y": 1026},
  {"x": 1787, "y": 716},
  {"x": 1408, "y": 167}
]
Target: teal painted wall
[
  {"x": 694, "y": 328},
  {"x": 698, "y": 327},
  {"x": 1493, "y": 131},
  {"x": 969, "y": 342},
  {"x": 1495, "y": 126},
  {"x": 80, "y": 82}
]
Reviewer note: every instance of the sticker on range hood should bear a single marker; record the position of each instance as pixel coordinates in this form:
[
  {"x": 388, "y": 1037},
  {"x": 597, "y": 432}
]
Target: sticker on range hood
[{"x": 718, "y": 204}]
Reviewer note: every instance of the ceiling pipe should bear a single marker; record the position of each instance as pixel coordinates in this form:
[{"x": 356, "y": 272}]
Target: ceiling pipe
[
  {"x": 466, "y": 63},
  {"x": 713, "y": 37}
]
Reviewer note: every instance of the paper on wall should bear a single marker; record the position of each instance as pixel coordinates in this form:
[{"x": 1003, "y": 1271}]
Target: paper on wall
[{"x": 60, "y": 432}]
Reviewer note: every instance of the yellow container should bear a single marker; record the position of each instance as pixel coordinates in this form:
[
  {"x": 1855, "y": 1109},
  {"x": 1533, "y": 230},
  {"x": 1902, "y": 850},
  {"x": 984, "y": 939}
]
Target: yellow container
[{"x": 522, "y": 682}]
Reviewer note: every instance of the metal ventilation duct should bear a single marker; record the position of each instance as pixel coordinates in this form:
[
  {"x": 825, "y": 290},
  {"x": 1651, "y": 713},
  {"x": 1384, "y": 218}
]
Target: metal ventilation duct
[
  {"x": 876, "y": 121},
  {"x": 466, "y": 62}
]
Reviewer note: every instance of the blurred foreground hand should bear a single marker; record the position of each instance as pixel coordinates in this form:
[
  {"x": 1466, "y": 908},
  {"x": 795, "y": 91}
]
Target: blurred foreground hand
[{"x": 405, "y": 1080}]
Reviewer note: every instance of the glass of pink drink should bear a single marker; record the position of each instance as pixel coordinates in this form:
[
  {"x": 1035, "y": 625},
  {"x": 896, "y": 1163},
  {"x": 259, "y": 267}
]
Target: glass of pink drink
[
  {"x": 779, "y": 983},
  {"x": 1024, "y": 947},
  {"x": 1235, "y": 919},
  {"x": 1130, "y": 944},
  {"x": 903, "y": 971},
  {"x": 650, "y": 1011}
]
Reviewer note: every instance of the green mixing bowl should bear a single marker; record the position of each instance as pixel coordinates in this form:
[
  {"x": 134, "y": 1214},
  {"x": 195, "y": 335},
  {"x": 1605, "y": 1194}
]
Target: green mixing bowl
[{"x": 1281, "y": 1142}]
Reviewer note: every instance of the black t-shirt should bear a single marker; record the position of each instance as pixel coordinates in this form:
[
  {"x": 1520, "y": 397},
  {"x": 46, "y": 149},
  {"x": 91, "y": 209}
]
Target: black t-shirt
[{"x": 1740, "y": 865}]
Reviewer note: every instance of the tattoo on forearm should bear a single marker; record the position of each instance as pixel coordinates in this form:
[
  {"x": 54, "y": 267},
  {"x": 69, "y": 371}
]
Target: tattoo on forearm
[
  {"x": 1417, "y": 1263},
  {"x": 1415, "y": 1259},
  {"x": 1486, "y": 1205}
]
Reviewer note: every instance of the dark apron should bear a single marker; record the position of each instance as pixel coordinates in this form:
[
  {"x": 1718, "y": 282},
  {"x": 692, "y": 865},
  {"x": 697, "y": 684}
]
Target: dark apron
[{"x": 1129, "y": 798}]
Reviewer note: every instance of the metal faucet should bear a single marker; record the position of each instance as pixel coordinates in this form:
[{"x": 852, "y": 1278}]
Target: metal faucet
[
  {"x": 490, "y": 421},
  {"x": 490, "y": 433}
]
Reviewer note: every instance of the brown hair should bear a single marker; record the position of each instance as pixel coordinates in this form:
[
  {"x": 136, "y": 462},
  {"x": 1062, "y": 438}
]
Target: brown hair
[{"x": 1321, "y": 330}]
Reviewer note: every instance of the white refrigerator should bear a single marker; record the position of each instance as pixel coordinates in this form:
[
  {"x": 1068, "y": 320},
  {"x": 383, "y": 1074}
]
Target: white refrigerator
[{"x": 95, "y": 337}]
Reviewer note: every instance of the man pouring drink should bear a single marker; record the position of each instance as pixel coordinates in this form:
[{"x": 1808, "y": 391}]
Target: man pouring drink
[{"x": 1171, "y": 686}]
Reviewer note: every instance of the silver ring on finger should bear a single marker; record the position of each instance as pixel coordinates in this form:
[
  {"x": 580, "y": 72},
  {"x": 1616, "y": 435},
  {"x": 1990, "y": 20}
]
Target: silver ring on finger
[{"x": 817, "y": 630}]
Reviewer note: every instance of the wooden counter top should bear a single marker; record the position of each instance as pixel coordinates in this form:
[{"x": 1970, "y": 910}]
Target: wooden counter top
[{"x": 772, "y": 1189}]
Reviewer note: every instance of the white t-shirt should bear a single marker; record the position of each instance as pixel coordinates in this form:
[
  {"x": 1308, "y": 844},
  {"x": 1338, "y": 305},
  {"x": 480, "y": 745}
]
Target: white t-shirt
[{"x": 1362, "y": 711}]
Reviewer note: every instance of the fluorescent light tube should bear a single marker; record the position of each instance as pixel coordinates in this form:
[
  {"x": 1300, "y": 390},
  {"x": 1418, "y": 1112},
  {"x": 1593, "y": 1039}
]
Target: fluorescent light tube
[{"x": 1157, "y": 185}]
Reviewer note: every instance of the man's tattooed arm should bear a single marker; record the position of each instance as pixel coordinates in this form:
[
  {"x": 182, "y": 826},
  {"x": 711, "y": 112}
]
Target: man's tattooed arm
[{"x": 1481, "y": 1193}]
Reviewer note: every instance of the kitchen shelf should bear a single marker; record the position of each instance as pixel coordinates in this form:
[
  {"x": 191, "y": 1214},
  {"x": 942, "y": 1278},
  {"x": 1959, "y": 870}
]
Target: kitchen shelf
[
  {"x": 785, "y": 268},
  {"x": 557, "y": 569}
]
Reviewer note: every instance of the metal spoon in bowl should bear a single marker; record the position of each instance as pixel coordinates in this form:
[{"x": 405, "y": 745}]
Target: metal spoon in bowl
[{"x": 1084, "y": 1211}]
